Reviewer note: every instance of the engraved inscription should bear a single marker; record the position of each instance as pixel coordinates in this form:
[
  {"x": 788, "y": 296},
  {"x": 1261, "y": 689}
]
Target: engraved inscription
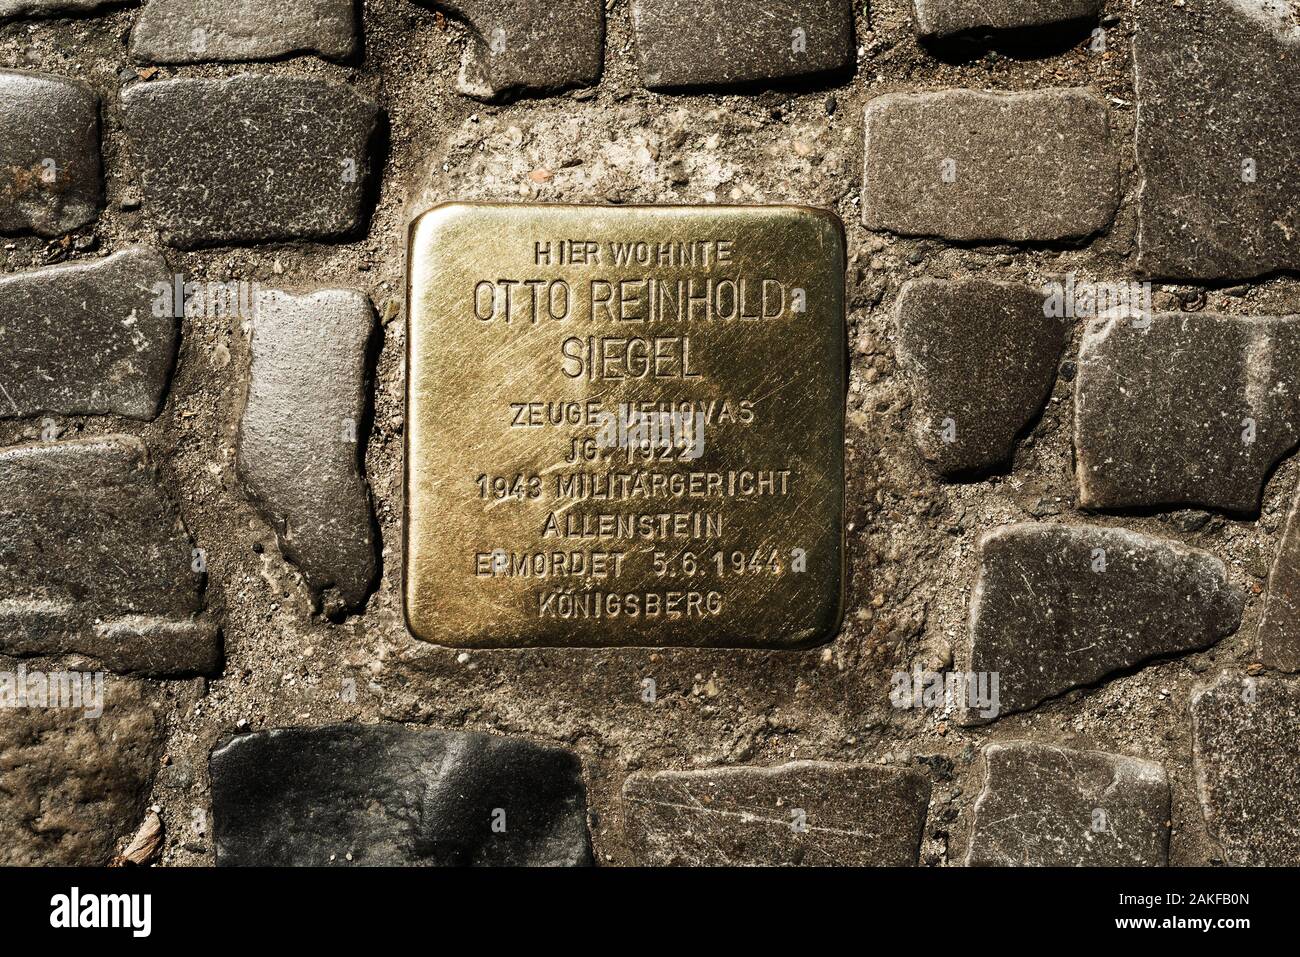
[{"x": 625, "y": 426}]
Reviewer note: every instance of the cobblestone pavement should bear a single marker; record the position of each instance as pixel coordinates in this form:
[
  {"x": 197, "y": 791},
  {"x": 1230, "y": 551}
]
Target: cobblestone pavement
[{"x": 1070, "y": 632}]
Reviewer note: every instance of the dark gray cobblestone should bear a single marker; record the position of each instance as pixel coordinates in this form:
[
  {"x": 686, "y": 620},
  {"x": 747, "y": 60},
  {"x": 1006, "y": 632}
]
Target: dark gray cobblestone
[
  {"x": 384, "y": 795},
  {"x": 1057, "y": 607},
  {"x": 86, "y": 338},
  {"x": 982, "y": 358},
  {"x": 199, "y": 31},
  {"x": 49, "y": 150},
  {"x": 1217, "y": 200},
  {"x": 250, "y": 158},
  {"x": 1179, "y": 409},
  {"x": 686, "y": 43},
  {"x": 971, "y": 165},
  {"x": 528, "y": 46},
  {"x": 301, "y": 433},
  {"x": 808, "y": 812},
  {"x": 1246, "y": 769},
  {"x": 1045, "y": 806},
  {"x": 97, "y": 562}
]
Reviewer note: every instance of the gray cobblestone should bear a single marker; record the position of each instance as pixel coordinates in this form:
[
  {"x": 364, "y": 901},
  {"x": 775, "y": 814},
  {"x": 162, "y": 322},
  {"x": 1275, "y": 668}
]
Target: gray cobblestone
[
  {"x": 86, "y": 338},
  {"x": 250, "y": 158},
  {"x": 42, "y": 8},
  {"x": 982, "y": 358},
  {"x": 1046, "y": 806},
  {"x": 97, "y": 562},
  {"x": 806, "y": 812},
  {"x": 528, "y": 46},
  {"x": 1246, "y": 731},
  {"x": 198, "y": 31},
  {"x": 301, "y": 434},
  {"x": 945, "y": 18},
  {"x": 49, "y": 154},
  {"x": 1057, "y": 607},
  {"x": 1218, "y": 133},
  {"x": 387, "y": 795},
  {"x": 684, "y": 43},
  {"x": 1192, "y": 409},
  {"x": 971, "y": 166}
]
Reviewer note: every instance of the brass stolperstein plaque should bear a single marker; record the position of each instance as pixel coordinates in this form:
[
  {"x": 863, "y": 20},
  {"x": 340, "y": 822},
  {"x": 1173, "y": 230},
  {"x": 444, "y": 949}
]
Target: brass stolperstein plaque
[{"x": 625, "y": 426}]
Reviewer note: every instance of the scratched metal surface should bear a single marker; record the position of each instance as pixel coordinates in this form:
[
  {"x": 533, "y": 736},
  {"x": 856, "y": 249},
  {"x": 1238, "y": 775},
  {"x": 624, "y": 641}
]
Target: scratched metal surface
[{"x": 544, "y": 342}]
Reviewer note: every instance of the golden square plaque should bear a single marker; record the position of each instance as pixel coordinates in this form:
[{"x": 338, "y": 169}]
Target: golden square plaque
[{"x": 625, "y": 426}]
